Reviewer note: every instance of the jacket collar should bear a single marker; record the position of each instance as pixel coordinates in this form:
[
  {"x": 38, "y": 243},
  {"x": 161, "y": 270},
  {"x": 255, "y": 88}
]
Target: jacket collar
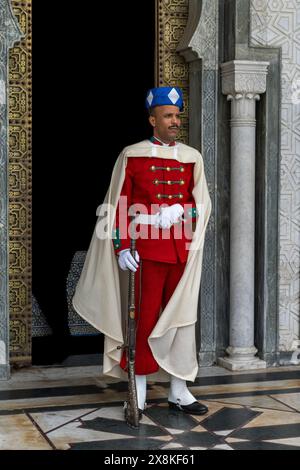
[{"x": 157, "y": 141}]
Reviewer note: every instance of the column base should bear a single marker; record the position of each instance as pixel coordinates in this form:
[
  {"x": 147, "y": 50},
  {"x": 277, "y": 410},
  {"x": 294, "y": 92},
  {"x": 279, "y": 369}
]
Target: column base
[
  {"x": 236, "y": 364},
  {"x": 4, "y": 372}
]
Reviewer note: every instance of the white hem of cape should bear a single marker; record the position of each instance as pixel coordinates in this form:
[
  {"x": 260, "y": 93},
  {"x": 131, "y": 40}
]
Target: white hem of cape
[
  {"x": 77, "y": 308},
  {"x": 191, "y": 377},
  {"x": 164, "y": 370}
]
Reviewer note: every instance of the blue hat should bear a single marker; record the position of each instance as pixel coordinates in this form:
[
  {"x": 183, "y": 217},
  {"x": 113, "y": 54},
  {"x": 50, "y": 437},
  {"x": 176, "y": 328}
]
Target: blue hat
[{"x": 164, "y": 95}]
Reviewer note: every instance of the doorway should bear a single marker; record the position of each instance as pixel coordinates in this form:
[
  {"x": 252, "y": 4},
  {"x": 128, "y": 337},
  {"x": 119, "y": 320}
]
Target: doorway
[{"x": 89, "y": 90}]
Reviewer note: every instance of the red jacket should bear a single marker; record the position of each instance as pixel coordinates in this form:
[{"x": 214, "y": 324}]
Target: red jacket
[{"x": 156, "y": 181}]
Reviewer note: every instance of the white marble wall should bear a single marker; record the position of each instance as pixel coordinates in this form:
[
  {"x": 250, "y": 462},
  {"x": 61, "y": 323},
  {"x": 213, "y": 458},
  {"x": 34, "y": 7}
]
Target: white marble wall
[{"x": 276, "y": 23}]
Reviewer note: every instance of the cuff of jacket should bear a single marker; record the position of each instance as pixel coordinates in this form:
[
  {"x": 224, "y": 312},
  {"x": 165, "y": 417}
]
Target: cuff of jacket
[
  {"x": 119, "y": 243},
  {"x": 191, "y": 213}
]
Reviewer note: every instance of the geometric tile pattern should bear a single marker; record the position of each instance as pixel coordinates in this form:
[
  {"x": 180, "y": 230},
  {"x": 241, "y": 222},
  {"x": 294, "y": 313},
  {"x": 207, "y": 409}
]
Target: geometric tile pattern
[
  {"x": 161, "y": 428},
  {"x": 40, "y": 326},
  {"x": 275, "y": 23},
  {"x": 70, "y": 421},
  {"x": 77, "y": 325}
]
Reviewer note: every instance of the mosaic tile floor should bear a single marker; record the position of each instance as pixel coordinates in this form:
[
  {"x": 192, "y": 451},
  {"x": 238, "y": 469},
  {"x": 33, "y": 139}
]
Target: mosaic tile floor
[{"x": 77, "y": 408}]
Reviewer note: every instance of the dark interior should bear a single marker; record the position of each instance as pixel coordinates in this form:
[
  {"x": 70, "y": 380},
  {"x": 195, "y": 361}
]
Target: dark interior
[{"x": 91, "y": 71}]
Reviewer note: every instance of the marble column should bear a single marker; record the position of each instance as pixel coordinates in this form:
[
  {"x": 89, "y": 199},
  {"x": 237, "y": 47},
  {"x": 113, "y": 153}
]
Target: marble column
[{"x": 242, "y": 81}]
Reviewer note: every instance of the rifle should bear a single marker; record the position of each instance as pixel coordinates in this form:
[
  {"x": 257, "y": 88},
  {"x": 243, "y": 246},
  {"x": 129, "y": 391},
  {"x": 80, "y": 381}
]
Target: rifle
[{"x": 131, "y": 406}]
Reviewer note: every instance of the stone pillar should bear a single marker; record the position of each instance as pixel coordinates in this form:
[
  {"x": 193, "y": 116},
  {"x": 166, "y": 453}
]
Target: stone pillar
[{"x": 242, "y": 81}]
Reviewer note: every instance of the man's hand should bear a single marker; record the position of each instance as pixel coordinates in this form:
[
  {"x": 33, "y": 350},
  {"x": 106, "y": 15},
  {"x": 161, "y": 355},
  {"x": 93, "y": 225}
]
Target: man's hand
[
  {"x": 126, "y": 260},
  {"x": 170, "y": 215}
]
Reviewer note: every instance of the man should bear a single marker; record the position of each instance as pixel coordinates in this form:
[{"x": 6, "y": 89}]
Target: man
[{"x": 164, "y": 182}]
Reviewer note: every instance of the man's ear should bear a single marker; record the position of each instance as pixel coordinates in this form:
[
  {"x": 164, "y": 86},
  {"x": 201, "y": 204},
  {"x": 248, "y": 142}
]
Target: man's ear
[{"x": 152, "y": 121}]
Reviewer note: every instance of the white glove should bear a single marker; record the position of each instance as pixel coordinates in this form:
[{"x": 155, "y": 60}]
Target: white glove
[
  {"x": 126, "y": 260},
  {"x": 170, "y": 215}
]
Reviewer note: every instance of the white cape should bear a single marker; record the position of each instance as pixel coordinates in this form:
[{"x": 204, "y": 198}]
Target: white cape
[{"x": 101, "y": 293}]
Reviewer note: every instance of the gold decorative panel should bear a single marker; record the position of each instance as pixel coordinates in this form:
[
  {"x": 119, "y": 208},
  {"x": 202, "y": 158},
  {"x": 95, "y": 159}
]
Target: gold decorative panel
[
  {"x": 20, "y": 189},
  {"x": 171, "y": 68}
]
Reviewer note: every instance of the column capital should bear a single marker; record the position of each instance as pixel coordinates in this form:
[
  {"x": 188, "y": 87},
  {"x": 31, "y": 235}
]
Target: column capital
[{"x": 244, "y": 77}]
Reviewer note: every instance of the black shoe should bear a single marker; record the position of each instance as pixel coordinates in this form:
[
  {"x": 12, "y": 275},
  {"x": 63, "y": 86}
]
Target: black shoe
[{"x": 195, "y": 408}]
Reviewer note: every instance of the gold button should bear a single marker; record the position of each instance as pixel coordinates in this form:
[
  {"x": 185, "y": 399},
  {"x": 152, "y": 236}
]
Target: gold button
[
  {"x": 181, "y": 182},
  {"x": 155, "y": 182},
  {"x": 117, "y": 246},
  {"x": 168, "y": 168},
  {"x": 169, "y": 182},
  {"x": 158, "y": 196},
  {"x": 170, "y": 196},
  {"x": 181, "y": 169},
  {"x": 180, "y": 196},
  {"x": 152, "y": 168}
]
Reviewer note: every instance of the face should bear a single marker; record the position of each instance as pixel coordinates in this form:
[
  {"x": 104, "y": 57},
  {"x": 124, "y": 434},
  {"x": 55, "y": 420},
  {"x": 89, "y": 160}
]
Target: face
[{"x": 166, "y": 122}]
